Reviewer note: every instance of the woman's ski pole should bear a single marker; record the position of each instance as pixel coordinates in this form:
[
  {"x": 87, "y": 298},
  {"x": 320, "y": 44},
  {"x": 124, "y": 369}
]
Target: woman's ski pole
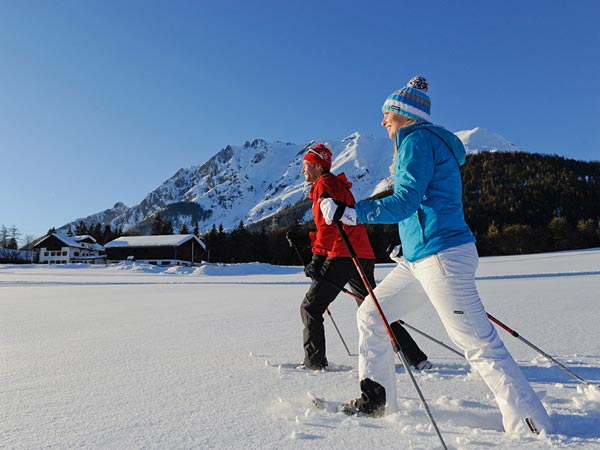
[
  {"x": 539, "y": 350},
  {"x": 289, "y": 239},
  {"x": 388, "y": 329},
  {"x": 402, "y": 322}
]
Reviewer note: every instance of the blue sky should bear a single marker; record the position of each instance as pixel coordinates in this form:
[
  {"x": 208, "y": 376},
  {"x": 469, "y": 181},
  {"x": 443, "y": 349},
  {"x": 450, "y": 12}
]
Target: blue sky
[{"x": 101, "y": 101}]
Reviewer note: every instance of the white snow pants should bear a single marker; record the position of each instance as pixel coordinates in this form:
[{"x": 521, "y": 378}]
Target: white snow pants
[{"x": 448, "y": 279}]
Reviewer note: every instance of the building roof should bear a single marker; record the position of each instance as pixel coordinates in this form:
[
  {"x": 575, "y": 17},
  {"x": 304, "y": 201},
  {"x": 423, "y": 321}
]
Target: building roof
[
  {"x": 73, "y": 241},
  {"x": 170, "y": 240}
]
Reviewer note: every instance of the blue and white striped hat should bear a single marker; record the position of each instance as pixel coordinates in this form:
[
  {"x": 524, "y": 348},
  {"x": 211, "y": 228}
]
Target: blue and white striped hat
[{"x": 410, "y": 101}]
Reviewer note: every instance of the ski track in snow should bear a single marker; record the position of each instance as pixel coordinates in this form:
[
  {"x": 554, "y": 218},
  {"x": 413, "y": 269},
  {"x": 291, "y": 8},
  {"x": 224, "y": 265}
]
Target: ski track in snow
[{"x": 477, "y": 422}]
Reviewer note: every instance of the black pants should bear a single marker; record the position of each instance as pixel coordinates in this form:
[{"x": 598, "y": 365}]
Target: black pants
[{"x": 339, "y": 272}]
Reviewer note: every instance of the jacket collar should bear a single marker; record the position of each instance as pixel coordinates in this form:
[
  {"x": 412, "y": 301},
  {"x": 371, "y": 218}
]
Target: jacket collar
[
  {"x": 341, "y": 178},
  {"x": 452, "y": 141},
  {"x": 403, "y": 132}
]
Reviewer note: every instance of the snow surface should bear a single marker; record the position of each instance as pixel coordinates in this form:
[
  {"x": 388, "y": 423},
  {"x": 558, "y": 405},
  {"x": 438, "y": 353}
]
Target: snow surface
[{"x": 139, "y": 357}]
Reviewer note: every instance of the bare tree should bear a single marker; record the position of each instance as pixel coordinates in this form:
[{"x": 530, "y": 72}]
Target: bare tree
[
  {"x": 13, "y": 238},
  {"x": 3, "y": 236},
  {"x": 28, "y": 241}
]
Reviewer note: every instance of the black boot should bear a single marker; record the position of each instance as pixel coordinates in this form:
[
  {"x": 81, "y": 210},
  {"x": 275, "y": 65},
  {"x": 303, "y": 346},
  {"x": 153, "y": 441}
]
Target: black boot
[
  {"x": 371, "y": 401},
  {"x": 319, "y": 365}
]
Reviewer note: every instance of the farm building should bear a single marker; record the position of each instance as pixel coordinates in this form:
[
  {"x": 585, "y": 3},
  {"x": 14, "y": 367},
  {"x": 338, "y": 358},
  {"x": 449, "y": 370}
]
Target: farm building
[{"x": 162, "y": 250}]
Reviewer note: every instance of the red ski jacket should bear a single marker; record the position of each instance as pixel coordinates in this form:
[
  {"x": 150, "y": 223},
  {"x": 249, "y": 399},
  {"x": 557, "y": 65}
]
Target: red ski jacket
[{"x": 327, "y": 240}]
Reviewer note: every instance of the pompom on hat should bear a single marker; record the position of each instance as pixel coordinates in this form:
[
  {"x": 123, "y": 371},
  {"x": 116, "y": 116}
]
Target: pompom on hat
[
  {"x": 319, "y": 154},
  {"x": 411, "y": 101}
]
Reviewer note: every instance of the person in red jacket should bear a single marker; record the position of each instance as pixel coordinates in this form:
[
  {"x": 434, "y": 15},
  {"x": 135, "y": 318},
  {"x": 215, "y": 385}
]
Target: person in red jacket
[{"x": 331, "y": 266}]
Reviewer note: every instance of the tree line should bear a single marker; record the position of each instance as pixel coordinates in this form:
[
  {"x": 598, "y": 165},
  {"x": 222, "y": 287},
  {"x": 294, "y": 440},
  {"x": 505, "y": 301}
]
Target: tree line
[
  {"x": 515, "y": 203},
  {"x": 101, "y": 233},
  {"x": 242, "y": 245}
]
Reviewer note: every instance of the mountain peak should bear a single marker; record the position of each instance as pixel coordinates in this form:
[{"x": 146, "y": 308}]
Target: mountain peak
[
  {"x": 483, "y": 140},
  {"x": 258, "y": 180}
]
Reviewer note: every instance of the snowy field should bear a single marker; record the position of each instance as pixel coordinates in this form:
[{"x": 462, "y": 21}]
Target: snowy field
[{"x": 136, "y": 357}]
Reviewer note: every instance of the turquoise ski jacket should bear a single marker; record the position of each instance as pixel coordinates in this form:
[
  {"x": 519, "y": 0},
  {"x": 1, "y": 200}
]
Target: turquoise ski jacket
[{"x": 427, "y": 198}]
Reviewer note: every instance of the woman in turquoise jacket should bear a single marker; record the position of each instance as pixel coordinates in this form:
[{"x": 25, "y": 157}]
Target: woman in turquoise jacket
[{"x": 439, "y": 260}]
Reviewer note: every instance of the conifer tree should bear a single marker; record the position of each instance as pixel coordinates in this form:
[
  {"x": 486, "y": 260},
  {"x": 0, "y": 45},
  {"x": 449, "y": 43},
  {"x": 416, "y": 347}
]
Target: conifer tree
[
  {"x": 95, "y": 231},
  {"x": 107, "y": 234},
  {"x": 587, "y": 233},
  {"x": 560, "y": 233},
  {"x": 167, "y": 227},
  {"x": 81, "y": 229},
  {"x": 157, "y": 225}
]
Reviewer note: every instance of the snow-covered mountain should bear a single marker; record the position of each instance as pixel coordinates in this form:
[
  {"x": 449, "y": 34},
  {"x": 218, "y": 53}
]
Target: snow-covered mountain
[
  {"x": 482, "y": 140},
  {"x": 104, "y": 217},
  {"x": 259, "y": 179}
]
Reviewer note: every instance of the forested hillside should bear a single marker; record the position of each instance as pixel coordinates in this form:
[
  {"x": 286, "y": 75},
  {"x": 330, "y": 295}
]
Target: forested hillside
[
  {"x": 519, "y": 202},
  {"x": 515, "y": 202}
]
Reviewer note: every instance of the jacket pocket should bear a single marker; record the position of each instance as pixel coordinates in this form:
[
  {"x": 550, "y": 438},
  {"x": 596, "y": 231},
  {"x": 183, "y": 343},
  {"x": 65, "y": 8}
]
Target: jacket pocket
[
  {"x": 460, "y": 261},
  {"x": 440, "y": 265}
]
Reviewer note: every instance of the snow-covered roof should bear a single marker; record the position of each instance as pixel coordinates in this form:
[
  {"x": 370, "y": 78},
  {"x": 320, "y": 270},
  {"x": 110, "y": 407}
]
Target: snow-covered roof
[
  {"x": 74, "y": 241},
  {"x": 172, "y": 240}
]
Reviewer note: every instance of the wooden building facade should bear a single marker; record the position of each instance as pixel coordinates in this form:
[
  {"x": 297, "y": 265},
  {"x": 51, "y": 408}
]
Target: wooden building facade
[{"x": 163, "y": 250}]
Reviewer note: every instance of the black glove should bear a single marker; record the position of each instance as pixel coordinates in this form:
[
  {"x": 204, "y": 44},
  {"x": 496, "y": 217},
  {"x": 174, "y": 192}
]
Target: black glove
[{"x": 313, "y": 268}]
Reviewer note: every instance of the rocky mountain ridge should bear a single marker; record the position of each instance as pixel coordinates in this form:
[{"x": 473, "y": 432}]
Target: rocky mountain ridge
[{"x": 256, "y": 181}]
